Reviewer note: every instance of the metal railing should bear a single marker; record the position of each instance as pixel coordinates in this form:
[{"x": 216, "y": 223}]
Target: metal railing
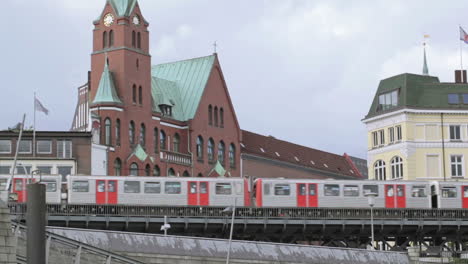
[{"x": 176, "y": 158}]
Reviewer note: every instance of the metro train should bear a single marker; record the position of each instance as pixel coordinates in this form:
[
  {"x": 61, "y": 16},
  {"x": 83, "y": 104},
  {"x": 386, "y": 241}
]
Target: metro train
[{"x": 262, "y": 192}]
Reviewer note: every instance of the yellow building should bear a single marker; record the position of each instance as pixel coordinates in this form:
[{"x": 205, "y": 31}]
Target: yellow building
[{"x": 418, "y": 129}]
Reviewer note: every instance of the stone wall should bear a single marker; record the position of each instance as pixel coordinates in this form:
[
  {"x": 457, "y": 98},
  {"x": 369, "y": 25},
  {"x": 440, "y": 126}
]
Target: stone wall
[{"x": 7, "y": 238}]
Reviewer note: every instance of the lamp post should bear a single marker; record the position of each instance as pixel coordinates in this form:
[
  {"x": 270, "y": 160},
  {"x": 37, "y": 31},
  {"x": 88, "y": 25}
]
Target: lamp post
[
  {"x": 228, "y": 210},
  {"x": 166, "y": 226},
  {"x": 371, "y": 199}
]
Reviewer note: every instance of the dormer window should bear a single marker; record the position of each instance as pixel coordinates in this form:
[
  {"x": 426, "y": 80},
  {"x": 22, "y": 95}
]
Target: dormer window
[
  {"x": 388, "y": 100},
  {"x": 166, "y": 110}
]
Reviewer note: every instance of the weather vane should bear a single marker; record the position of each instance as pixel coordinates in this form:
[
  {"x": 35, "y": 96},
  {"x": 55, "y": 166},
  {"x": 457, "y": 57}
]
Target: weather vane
[{"x": 215, "y": 45}]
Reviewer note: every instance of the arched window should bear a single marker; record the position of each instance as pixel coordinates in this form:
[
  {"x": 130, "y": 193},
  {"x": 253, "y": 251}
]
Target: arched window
[
  {"x": 232, "y": 156},
  {"x": 200, "y": 175},
  {"x": 134, "y": 94},
  {"x": 171, "y": 172},
  {"x": 117, "y": 167},
  {"x": 133, "y": 39},
  {"x": 162, "y": 139},
  {"x": 139, "y": 40},
  {"x": 137, "y": 64},
  {"x": 131, "y": 133},
  {"x": 397, "y": 167},
  {"x": 134, "y": 169},
  {"x": 143, "y": 135},
  {"x": 156, "y": 171},
  {"x": 147, "y": 170},
  {"x": 200, "y": 148},
  {"x": 117, "y": 132},
  {"x": 210, "y": 115},
  {"x": 186, "y": 174},
  {"x": 221, "y": 149},
  {"x": 210, "y": 150},
  {"x": 216, "y": 116},
  {"x": 107, "y": 131},
  {"x": 104, "y": 40},
  {"x": 379, "y": 170},
  {"x": 140, "y": 95},
  {"x": 176, "y": 143},
  {"x": 111, "y": 38},
  {"x": 221, "y": 117},
  {"x": 155, "y": 140}
]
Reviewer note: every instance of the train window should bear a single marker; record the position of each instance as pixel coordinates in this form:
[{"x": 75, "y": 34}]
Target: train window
[
  {"x": 51, "y": 186},
  {"x": 131, "y": 187},
  {"x": 465, "y": 191},
  {"x": 172, "y": 188},
  {"x": 239, "y": 188},
  {"x": 331, "y": 190},
  {"x": 390, "y": 191},
  {"x": 449, "y": 192},
  {"x": 223, "y": 188},
  {"x": 400, "y": 191},
  {"x": 366, "y": 189},
  {"x": 282, "y": 189},
  {"x": 350, "y": 190},
  {"x": 18, "y": 185},
  {"x": 152, "y": 187},
  {"x": 266, "y": 189},
  {"x": 418, "y": 191},
  {"x": 203, "y": 187},
  {"x": 302, "y": 189},
  {"x": 80, "y": 186},
  {"x": 193, "y": 187},
  {"x": 3, "y": 184},
  {"x": 111, "y": 186},
  {"x": 312, "y": 189}
]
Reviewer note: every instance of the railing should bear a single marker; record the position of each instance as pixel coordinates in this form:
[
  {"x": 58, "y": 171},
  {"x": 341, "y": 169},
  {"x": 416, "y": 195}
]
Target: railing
[{"x": 177, "y": 158}]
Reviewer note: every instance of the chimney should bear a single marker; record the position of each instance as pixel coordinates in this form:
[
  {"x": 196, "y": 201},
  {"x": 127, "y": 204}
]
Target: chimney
[{"x": 458, "y": 76}]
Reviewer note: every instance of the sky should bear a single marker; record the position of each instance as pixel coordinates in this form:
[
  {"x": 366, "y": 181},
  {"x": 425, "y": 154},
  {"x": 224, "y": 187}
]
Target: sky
[{"x": 302, "y": 71}]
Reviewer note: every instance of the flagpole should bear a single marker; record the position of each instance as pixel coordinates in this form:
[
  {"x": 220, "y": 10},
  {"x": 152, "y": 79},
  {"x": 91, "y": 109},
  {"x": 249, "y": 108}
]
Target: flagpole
[
  {"x": 34, "y": 129},
  {"x": 461, "y": 58}
]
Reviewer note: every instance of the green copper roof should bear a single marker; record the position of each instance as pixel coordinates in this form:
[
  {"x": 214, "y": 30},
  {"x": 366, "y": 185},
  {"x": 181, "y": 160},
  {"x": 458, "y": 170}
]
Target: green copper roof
[
  {"x": 139, "y": 152},
  {"x": 106, "y": 92},
  {"x": 418, "y": 92},
  {"x": 123, "y": 7},
  {"x": 183, "y": 82},
  {"x": 425, "y": 68},
  {"x": 218, "y": 168}
]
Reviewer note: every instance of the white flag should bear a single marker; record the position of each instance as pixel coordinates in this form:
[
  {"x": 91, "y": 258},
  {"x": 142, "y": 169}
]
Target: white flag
[{"x": 39, "y": 107}]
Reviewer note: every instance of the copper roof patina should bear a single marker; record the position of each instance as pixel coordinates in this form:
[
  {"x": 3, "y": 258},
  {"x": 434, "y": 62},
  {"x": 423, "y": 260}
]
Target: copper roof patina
[{"x": 106, "y": 92}]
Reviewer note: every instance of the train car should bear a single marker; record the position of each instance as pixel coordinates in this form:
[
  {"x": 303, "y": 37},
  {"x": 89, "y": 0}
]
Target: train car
[
  {"x": 338, "y": 194},
  {"x": 176, "y": 191},
  {"x": 449, "y": 194},
  {"x": 19, "y": 194}
]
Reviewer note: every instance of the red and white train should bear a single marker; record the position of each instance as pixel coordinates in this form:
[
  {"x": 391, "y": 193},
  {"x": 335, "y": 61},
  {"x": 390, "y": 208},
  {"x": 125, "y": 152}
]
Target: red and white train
[{"x": 263, "y": 192}]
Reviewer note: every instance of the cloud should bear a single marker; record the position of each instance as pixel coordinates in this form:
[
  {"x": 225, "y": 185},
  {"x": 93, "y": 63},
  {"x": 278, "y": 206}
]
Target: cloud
[{"x": 168, "y": 45}]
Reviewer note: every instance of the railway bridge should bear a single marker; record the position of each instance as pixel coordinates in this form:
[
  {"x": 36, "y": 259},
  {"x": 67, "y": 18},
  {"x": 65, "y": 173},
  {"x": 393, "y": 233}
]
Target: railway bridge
[{"x": 395, "y": 229}]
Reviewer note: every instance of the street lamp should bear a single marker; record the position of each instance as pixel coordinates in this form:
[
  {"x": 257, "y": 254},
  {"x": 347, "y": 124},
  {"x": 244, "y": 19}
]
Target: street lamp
[
  {"x": 166, "y": 226},
  {"x": 371, "y": 199},
  {"x": 229, "y": 210}
]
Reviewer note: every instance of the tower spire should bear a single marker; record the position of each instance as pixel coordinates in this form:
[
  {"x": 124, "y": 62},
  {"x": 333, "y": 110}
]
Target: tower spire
[{"x": 425, "y": 70}]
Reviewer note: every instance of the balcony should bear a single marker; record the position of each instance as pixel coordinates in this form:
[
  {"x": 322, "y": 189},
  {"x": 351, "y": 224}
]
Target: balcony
[{"x": 176, "y": 158}]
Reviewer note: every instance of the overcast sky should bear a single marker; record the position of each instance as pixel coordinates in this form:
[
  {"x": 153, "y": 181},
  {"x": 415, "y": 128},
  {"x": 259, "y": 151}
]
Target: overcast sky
[{"x": 302, "y": 71}]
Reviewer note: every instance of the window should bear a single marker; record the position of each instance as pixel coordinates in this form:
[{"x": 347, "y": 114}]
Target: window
[
  {"x": 449, "y": 192},
  {"x": 397, "y": 167},
  {"x": 366, "y": 189},
  {"x": 133, "y": 169},
  {"x": 117, "y": 132},
  {"x": 25, "y": 147},
  {"x": 266, "y": 189},
  {"x": 18, "y": 185},
  {"x": 186, "y": 174},
  {"x": 155, "y": 140},
  {"x": 382, "y": 137},
  {"x": 104, "y": 39},
  {"x": 399, "y": 134},
  {"x": 118, "y": 167},
  {"x": 143, "y": 135},
  {"x": 147, "y": 170},
  {"x": 171, "y": 172},
  {"x": 221, "y": 117},
  {"x": 350, "y": 190},
  {"x": 418, "y": 191},
  {"x": 152, "y": 187},
  {"x": 156, "y": 171},
  {"x": 111, "y": 38},
  {"x": 107, "y": 132},
  {"x": 134, "y": 94},
  {"x": 166, "y": 110},
  {"x": 140, "y": 95},
  {"x": 45, "y": 169},
  {"x": 465, "y": 98},
  {"x": 44, "y": 147},
  {"x": 176, "y": 143},
  {"x": 172, "y": 188},
  {"x": 210, "y": 150},
  {"x": 4, "y": 170},
  {"x": 282, "y": 189},
  {"x": 221, "y": 149},
  {"x": 162, "y": 139},
  {"x": 23, "y": 170},
  {"x": 133, "y": 39},
  {"x": 232, "y": 156},
  {"x": 312, "y": 189},
  {"x": 131, "y": 133},
  {"x": 331, "y": 190},
  {"x": 375, "y": 139},
  {"x": 5, "y": 146},
  {"x": 453, "y": 99},
  {"x": 64, "y": 149},
  {"x": 203, "y": 187},
  {"x": 51, "y": 186},
  {"x": 456, "y": 163},
  {"x": 200, "y": 148},
  {"x": 388, "y": 100},
  {"x": 379, "y": 170},
  {"x": 131, "y": 187},
  {"x": 210, "y": 115},
  {"x": 193, "y": 187},
  {"x": 64, "y": 171},
  {"x": 455, "y": 132},
  {"x": 216, "y": 116},
  {"x": 80, "y": 186},
  {"x": 223, "y": 188},
  {"x": 139, "y": 40},
  {"x": 465, "y": 191},
  {"x": 3, "y": 183},
  {"x": 391, "y": 134}
]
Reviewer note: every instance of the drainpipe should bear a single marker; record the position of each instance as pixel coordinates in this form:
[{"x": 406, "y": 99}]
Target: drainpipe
[
  {"x": 188, "y": 149},
  {"x": 443, "y": 142}
]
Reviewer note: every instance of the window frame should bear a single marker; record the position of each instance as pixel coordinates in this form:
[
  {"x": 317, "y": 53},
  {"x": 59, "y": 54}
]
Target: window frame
[
  {"x": 285, "y": 187},
  {"x": 223, "y": 184},
  {"x": 145, "y": 187},
  {"x": 454, "y": 131},
  {"x": 396, "y": 167},
  {"x": 29, "y": 145},
  {"x": 44, "y": 152},
  {"x": 331, "y": 192},
  {"x": 457, "y": 164},
  {"x": 126, "y": 184},
  {"x": 80, "y": 181},
  {"x": 175, "y": 183},
  {"x": 348, "y": 192}
]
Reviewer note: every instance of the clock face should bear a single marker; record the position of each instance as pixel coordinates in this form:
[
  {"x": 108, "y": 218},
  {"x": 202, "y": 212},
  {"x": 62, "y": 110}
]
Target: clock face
[
  {"x": 136, "y": 20},
  {"x": 108, "y": 20}
]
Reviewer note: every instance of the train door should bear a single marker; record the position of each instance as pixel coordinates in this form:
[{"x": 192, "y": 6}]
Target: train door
[
  {"x": 106, "y": 192},
  {"x": 389, "y": 196},
  {"x": 198, "y": 193},
  {"x": 400, "y": 196},
  {"x": 313, "y": 196},
  {"x": 203, "y": 193},
  {"x": 395, "y": 196},
  {"x": 301, "y": 195},
  {"x": 192, "y": 193},
  {"x": 19, "y": 187},
  {"x": 464, "y": 195},
  {"x": 306, "y": 195}
]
